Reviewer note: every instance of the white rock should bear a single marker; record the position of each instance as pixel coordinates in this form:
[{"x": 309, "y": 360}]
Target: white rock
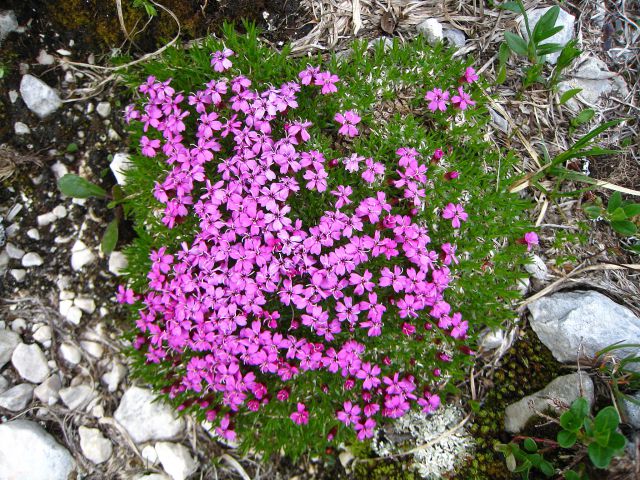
[
  {"x": 537, "y": 268},
  {"x": 59, "y": 169},
  {"x": 18, "y": 274},
  {"x": 103, "y": 109},
  {"x": 60, "y": 211},
  {"x": 32, "y": 259},
  {"x": 73, "y": 315},
  {"x": 21, "y": 128},
  {"x": 63, "y": 52},
  {"x": 33, "y": 234},
  {"x": 92, "y": 348},
  {"x": 87, "y": 305},
  {"x": 562, "y": 37},
  {"x": 94, "y": 446},
  {"x": 27, "y": 451},
  {"x": 39, "y": 97},
  {"x": 176, "y": 460},
  {"x": 67, "y": 295},
  {"x": 13, "y": 96},
  {"x": 153, "y": 476},
  {"x": 45, "y": 58},
  {"x": 568, "y": 321},
  {"x": 4, "y": 384},
  {"x": 492, "y": 339},
  {"x": 81, "y": 255},
  {"x": 113, "y": 135},
  {"x": 30, "y": 362},
  {"x": 4, "y": 262},
  {"x": 117, "y": 262},
  {"x": 562, "y": 390},
  {"x": 119, "y": 165},
  {"x": 70, "y": 353},
  {"x": 8, "y": 24},
  {"x": 46, "y": 219},
  {"x": 632, "y": 411},
  {"x": 149, "y": 454},
  {"x": 16, "y": 399},
  {"x": 48, "y": 391},
  {"x": 145, "y": 419},
  {"x": 77, "y": 397},
  {"x": 64, "y": 306},
  {"x": 19, "y": 325},
  {"x": 8, "y": 342},
  {"x": 432, "y": 30},
  {"x": 455, "y": 37},
  {"x": 14, "y": 252},
  {"x": 42, "y": 334},
  {"x": 114, "y": 376}
]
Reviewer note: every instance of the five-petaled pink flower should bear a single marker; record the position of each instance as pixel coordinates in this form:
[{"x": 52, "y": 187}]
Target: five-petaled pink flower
[
  {"x": 531, "y": 239},
  {"x": 220, "y": 60},
  {"x": 149, "y": 146},
  {"x": 470, "y": 75},
  {"x": 348, "y": 120},
  {"x": 301, "y": 415},
  {"x": 327, "y": 81},
  {"x": 462, "y": 100},
  {"x": 455, "y": 213},
  {"x": 438, "y": 100}
]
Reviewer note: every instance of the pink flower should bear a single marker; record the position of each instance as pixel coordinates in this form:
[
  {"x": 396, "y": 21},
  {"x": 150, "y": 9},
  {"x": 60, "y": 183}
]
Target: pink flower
[
  {"x": 301, "y": 415},
  {"x": 429, "y": 403},
  {"x": 438, "y": 99},
  {"x": 455, "y": 213},
  {"x": 220, "y": 60},
  {"x": 531, "y": 239},
  {"x": 327, "y": 81},
  {"x": 365, "y": 430},
  {"x": 307, "y": 76},
  {"x": 149, "y": 146},
  {"x": 462, "y": 100},
  {"x": 470, "y": 75},
  {"x": 342, "y": 193},
  {"x": 125, "y": 295},
  {"x": 348, "y": 120}
]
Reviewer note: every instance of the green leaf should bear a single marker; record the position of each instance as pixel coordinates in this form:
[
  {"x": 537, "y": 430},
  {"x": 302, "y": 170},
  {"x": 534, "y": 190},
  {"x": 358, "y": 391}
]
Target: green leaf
[
  {"x": 583, "y": 117},
  {"x": 548, "y": 48},
  {"x": 530, "y": 445},
  {"x": 511, "y": 463},
  {"x": 503, "y": 53},
  {"x": 614, "y": 202},
  {"x": 570, "y": 422},
  {"x": 502, "y": 75},
  {"x": 546, "y": 23},
  {"x": 624, "y": 227},
  {"x": 592, "y": 211},
  {"x": 571, "y": 475},
  {"x": 600, "y": 456},
  {"x": 546, "y": 468},
  {"x": 617, "y": 441},
  {"x": 514, "y": 7},
  {"x": 567, "y": 439},
  {"x": 588, "y": 427},
  {"x": 631, "y": 210},
  {"x": 516, "y": 43},
  {"x": 607, "y": 419},
  {"x": 77, "y": 187},
  {"x": 549, "y": 33},
  {"x": 72, "y": 148},
  {"x": 618, "y": 215},
  {"x": 568, "y": 54},
  {"x": 110, "y": 237},
  {"x": 569, "y": 94},
  {"x": 580, "y": 408}
]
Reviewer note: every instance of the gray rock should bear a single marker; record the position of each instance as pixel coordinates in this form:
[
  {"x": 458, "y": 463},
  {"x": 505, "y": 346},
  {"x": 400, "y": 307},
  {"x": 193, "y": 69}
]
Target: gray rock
[
  {"x": 561, "y": 392},
  {"x": 48, "y": 391},
  {"x": 4, "y": 384},
  {"x": 39, "y": 97},
  {"x": 30, "y": 363},
  {"x": 431, "y": 29},
  {"x": 632, "y": 411},
  {"x": 77, "y": 397},
  {"x": 14, "y": 252},
  {"x": 16, "y": 398},
  {"x": 27, "y": 451},
  {"x": 567, "y": 321},
  {"x": 175, "y": 460},
  {"x": 114, "y": 376},
  {"x": 562, "y": 37},
  {"x": 103, "y": 109},
  {"x": 70, "y": 353},
  {"x": 94, "y": 446},
  {"x": 8, "y": 342},
  {"x": 145, "y": 419},
  {"x": 8, "y": 24},
  {"x": 537, "y": 268},
  {"x": 455, "y": 37}
]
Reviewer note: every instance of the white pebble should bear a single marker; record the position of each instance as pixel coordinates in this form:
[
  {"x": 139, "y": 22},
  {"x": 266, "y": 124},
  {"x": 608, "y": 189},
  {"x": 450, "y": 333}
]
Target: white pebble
[
  {"x": 92, "y": 348},
  {"x": 85, "y": 304},
  {"x": 70, "y": 353},
  {"x": 42, "y": 334},
  {"x": 33, "y": 234},
  {"x": 46, "y": 219},
  {"x": 21, "y": 128},
  {"x": 14, "y": 252},
  {"x": 66, "y": 295},
  {"x": 60, "y": 211},
  {"x": 19, "y": 325},
  {"x": 103, "y": 109},
  {"x": 59, "y": 169},
  {"x": 13, "y": 96},
  {"x": 74, "y": 315},
  {"x": 117, "y": 263},
  {"x": 18, "y": 274},
  {"x": 81, "y": 255},
  {"x": 32, "y": 259}
]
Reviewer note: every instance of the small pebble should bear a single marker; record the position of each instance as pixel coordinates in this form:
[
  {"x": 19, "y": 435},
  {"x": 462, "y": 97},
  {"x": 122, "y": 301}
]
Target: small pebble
[
  {"x": 70, "y": 353},
  {"x": 74, "y": 315},
  {"x": 14, "y": 252},
  {"x": 32, "y": 259},
  {"x": 92, "y": 348},
  {"x": 19, "y": 325},
  {"x": 33, "y": 234},
  {"x": 21, "y": 128},
  {"x": 46, "y": 219},
  {"x": 103, "y": 109},
  {"x": 60, "y": 211},
  {"x": 18, "y": 274},
  {"x": 85, "y": 304},
  {"x": 81, "y": 255}
]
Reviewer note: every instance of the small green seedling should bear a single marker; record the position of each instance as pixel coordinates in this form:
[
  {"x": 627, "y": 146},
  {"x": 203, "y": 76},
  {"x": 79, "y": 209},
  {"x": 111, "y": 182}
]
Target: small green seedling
[
  {"x": 524, "y": 460},
  {"x": 620, "y": 214}
]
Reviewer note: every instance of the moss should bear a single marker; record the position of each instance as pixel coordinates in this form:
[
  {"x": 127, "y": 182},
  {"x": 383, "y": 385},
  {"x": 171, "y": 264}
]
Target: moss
[{"x": 382, "y": 471}]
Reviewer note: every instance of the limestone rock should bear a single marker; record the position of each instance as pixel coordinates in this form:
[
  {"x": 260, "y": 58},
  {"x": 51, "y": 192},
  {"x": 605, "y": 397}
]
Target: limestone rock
[
  {"x": 8, "y": 24},
  {"x": 77, "y": 397},
  {"x": 81, "y": 255},
  {"x": 30, "y": 363},
  {"x": 432, "y": 30},
  {"x": 632, "y": 411},
  {"x": 94, "y": 446},
  {"x": 8, "y": 342},
  {"x": 16, "y": 399},
  {"x": 48, "y": 391},
  {"x": 176, "y": 460},
  {"x": 39, "y": 97}
]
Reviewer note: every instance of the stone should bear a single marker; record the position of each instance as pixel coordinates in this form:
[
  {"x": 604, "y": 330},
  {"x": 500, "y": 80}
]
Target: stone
[
  {"x": 565, "y": 20},
  {"x": 59, "y": 211},
  {"x": 30, "y": 363},
  {"x": 560, "y": 392},
  {"x": 94, "y": 446},
  {"x": 81, "y": 255},
  {"x": 45, "y": 58},
  {"x": 492, "y": 339},
  {"x": 8, "y": 342},
  {"x": 39, "y": 97},
  {"x": 27, "y": 451},
  {"x": 70, "y": 353},
  {"x": 42, "y": 334},
  {"x": 117, "y": 263},
  {"x": 14, "y": 252},
  {"x": 455, "y": 37},
  {"x": 87, "y": 305},
  {"x": 4, "y": 384},
  {"x": 8, "y": 24},
  {"x": 537, "y": 268},
  {"x": 32, "y": 259},
  {"x": 46, "y": 219},
  {"x": 176, "y": 460},
  {"x": 153, "y": 476},
  {"x": 48, "y": 392},
  {"x": 632, "y": 411},
  {"x": 145, "y": 419},
  {"x": 21, "y": 128},
  {"x": 149, "y": 454},
  {"x": 74, "y": 315},
  {"x": 103, "y": 109},
  {"x": 119, "y": 165},
  {"x": 431, "y": 29},
  {"x": 33, "y": 234},
  {"x": 77, "y": 397},
  {"x": 18, "y": 274},
  {"x": 92, "y": 348},
  {"x": 568, "y": 321},
  {"x": 19, "y": 325},
  {"x": 114, "y": 376},
  {"x": 16, "y": 398}
]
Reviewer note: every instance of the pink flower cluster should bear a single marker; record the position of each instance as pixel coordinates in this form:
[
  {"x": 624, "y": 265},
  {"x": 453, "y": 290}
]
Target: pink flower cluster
[
  {"x": 439, "y": 100},
  {"x": 257, "y": 298}
]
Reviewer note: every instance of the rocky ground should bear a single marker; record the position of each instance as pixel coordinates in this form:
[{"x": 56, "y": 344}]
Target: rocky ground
[{"x": 67, "y": 406}]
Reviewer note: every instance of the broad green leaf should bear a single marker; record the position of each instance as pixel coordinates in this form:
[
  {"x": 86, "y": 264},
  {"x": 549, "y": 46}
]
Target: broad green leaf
[
  {"x": 624, "y": 227},
  {"x": 580, "y": 408},
  {"x": 570, "y": 422},
  {"x": 618, "y": 215},
  {"x": 568, "y": 95},
  {"x": 548, "y": 48},
  {"x": 588, "y": 427},
  {"x": 77, "y": 187},
  {"x": 546, "y": 468},
  {"x": 583, "y": 117},
  {"x": 514, "y": 7},
  {"x": 110, "y": 237},
  {"x": 599, "y": 456},
  {"x": 615, "y": 202},
  {"x": 549, "y": 33},
  {"x": 567, "y": 439},
  {"x": 516, "y": 43},
  {"x": 617, "y": 441},
  {"x": 571, "y": 475},
  {"x": 530, "y": 445},
  {"x": 568, "y": 54},
  {"x": 546, "y": 23},
  {"x": 607, "y": 419},
  {"x": 592, "y": 211},
  {"x": 632, "y": 209}
]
